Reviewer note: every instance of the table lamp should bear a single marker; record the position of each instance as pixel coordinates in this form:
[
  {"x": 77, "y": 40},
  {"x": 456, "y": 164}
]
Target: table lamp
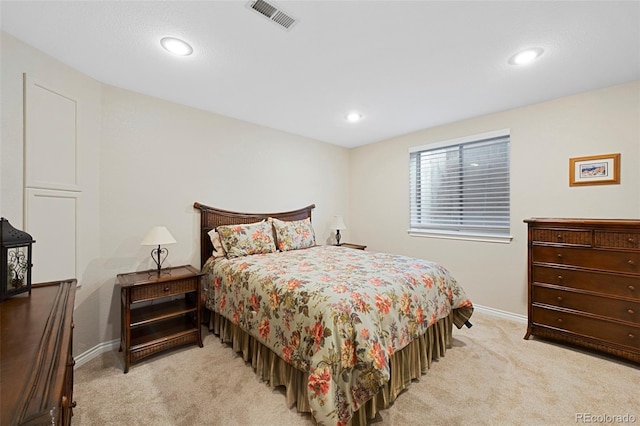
[
  {"x": 159, "y": 235},
  {"x": 338, "y": 224}
]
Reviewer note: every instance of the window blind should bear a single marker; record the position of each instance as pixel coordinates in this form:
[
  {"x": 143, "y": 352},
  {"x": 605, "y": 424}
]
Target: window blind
[{"x": 462, "y": 187}]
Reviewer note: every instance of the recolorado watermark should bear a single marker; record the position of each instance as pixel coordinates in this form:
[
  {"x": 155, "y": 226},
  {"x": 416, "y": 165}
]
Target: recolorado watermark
[{"x": 605, "y": 418}]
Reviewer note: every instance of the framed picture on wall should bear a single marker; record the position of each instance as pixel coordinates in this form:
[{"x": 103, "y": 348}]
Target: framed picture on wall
[{"x": 594, "y": 170}]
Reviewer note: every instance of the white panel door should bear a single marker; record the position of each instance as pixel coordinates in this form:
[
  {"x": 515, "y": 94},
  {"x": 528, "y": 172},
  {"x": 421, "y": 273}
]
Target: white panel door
[
  {"x": 51, "y": 221},
  {"x": 50, "y": 138},
  {"x": 51, "y": 180}
]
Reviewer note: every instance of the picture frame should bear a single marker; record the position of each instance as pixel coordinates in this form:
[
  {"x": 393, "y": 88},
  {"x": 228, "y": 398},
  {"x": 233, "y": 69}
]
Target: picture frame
[{"x": 594, "y": 170}]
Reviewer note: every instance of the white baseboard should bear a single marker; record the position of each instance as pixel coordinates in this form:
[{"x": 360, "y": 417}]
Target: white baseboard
[
  {"x": 500, "y": 313},
  {"x": 100, "y": 348}
]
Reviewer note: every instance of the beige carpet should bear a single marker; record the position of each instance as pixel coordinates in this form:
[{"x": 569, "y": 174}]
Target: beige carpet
[{"x": 490, "y": 377}]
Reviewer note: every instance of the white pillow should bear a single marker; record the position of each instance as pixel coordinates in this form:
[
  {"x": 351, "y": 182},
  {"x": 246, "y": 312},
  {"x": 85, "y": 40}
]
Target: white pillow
[{"x": 218, "y": 250}]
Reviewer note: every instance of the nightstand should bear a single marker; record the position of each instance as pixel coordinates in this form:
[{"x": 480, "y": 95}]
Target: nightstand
[
  {"x": 159, "y": 312},
  {"x": 353, "y": 246}
]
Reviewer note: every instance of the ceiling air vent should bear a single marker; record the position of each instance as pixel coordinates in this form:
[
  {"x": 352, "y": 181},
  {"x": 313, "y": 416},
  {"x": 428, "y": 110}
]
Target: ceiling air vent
[{"x": 272, "y": 13}]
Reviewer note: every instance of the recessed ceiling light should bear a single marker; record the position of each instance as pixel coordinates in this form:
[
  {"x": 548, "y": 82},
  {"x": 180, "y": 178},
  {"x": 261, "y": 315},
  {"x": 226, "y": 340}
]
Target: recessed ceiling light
[
  {"x": 526, "y": 56},
  {"x": 354, "y": 117},
  {"x": 176, "y": 46}
]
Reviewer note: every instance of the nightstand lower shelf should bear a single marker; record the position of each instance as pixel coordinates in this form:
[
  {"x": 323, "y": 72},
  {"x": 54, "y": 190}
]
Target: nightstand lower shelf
[
  {"x": 160, "y": 311},
  {"x": 152, "y": 338}
]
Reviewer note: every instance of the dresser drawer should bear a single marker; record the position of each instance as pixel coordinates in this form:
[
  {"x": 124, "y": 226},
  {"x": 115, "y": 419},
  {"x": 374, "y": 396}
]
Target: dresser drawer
[
  {"x": 615, "y": 261},
  {"x": 598, "y": 282},
  {"x": 623, "y": 240},
  {"x": 580, "y": 237},
  {"x": 606, "y": 307},
  {"x": 606, "y": 331},
  {"x": 169, "y": 288}
]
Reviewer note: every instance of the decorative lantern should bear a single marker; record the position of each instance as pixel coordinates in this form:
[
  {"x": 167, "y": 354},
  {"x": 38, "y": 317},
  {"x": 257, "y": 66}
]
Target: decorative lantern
[{"x": 15, "y": 260}]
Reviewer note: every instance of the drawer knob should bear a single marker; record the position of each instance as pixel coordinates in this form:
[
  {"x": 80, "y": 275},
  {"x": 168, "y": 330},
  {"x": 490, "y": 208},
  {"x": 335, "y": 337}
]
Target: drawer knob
[
  {"x": 630, "y": 311},
  {"x": 560, "y": 320},
  {"x": 560, "y": 277},
  {"x": 631, "y": 240},
  {"x": 559, "y": 255},
  {"x": 559, "y": 298},
  {"x": 559, "y": 236},
  {"x": 631, "y": 262},
  {"x": 632, "y": 288},
  {"x": 166, "y": 288},
  {"x": 631, "y": 336}
]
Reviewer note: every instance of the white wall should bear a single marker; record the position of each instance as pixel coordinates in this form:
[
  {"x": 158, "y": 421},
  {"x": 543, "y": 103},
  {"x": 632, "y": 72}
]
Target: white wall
[
  {"x": 159, "y": 157},
  {"x": 543, "y": 138}
]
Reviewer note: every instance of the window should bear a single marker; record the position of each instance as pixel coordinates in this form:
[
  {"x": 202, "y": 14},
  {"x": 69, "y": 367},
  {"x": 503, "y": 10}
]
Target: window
[{"x": 460, "y": 188}]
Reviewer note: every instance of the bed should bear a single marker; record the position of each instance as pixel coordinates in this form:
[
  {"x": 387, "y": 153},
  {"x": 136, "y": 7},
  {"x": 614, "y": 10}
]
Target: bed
[{"x": 343, "y": 330}]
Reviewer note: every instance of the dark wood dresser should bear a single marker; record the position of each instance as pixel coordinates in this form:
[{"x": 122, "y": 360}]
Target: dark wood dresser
[
  {"x": 36, "y": 373},
  {"x": 584, "y": 283}
]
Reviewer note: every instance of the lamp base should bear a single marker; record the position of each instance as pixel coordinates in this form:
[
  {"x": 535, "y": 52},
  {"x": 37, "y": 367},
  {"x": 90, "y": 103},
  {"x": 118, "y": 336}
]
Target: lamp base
[{"x": 156, "y": 254}]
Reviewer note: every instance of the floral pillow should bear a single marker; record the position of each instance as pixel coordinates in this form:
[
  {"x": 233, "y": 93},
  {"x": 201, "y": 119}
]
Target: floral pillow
[
  {"x": 294, "y": 235},
  {"x": 218, "y": 251},
  {"x": 244, "y": 240}
]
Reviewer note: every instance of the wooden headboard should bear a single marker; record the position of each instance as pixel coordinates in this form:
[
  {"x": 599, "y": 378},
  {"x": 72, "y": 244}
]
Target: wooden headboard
[{"x": 211, "y": 217}]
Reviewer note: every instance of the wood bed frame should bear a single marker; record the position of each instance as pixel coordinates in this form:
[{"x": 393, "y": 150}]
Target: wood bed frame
[{"x": 211, "y": 217}]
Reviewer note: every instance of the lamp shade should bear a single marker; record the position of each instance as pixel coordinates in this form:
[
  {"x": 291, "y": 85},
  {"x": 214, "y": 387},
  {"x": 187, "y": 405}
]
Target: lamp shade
[
  {"x": 337, "y": 223},
  {"x": 158, "y": 235}
]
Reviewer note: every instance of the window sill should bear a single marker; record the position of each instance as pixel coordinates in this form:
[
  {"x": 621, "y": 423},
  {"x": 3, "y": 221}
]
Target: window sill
[{"x": 485, "y": 238}]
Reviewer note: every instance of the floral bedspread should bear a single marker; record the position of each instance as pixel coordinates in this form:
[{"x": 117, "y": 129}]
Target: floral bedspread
[{"x": 334, "y": 312}]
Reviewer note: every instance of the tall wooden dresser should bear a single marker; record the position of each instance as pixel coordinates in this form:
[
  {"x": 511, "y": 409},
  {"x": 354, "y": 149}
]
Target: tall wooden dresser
[
  {"x": 584, "y": 283},
  {"x": 36, "y": 372}
]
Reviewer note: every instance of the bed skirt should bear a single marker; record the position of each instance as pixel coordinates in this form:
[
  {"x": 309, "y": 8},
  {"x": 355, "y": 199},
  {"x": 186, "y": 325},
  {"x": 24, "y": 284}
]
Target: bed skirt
[{"x": 408, "y": 364}]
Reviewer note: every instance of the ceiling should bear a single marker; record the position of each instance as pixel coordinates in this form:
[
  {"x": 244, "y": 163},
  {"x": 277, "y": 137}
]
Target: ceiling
[{"x": 405, "y": 65}]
